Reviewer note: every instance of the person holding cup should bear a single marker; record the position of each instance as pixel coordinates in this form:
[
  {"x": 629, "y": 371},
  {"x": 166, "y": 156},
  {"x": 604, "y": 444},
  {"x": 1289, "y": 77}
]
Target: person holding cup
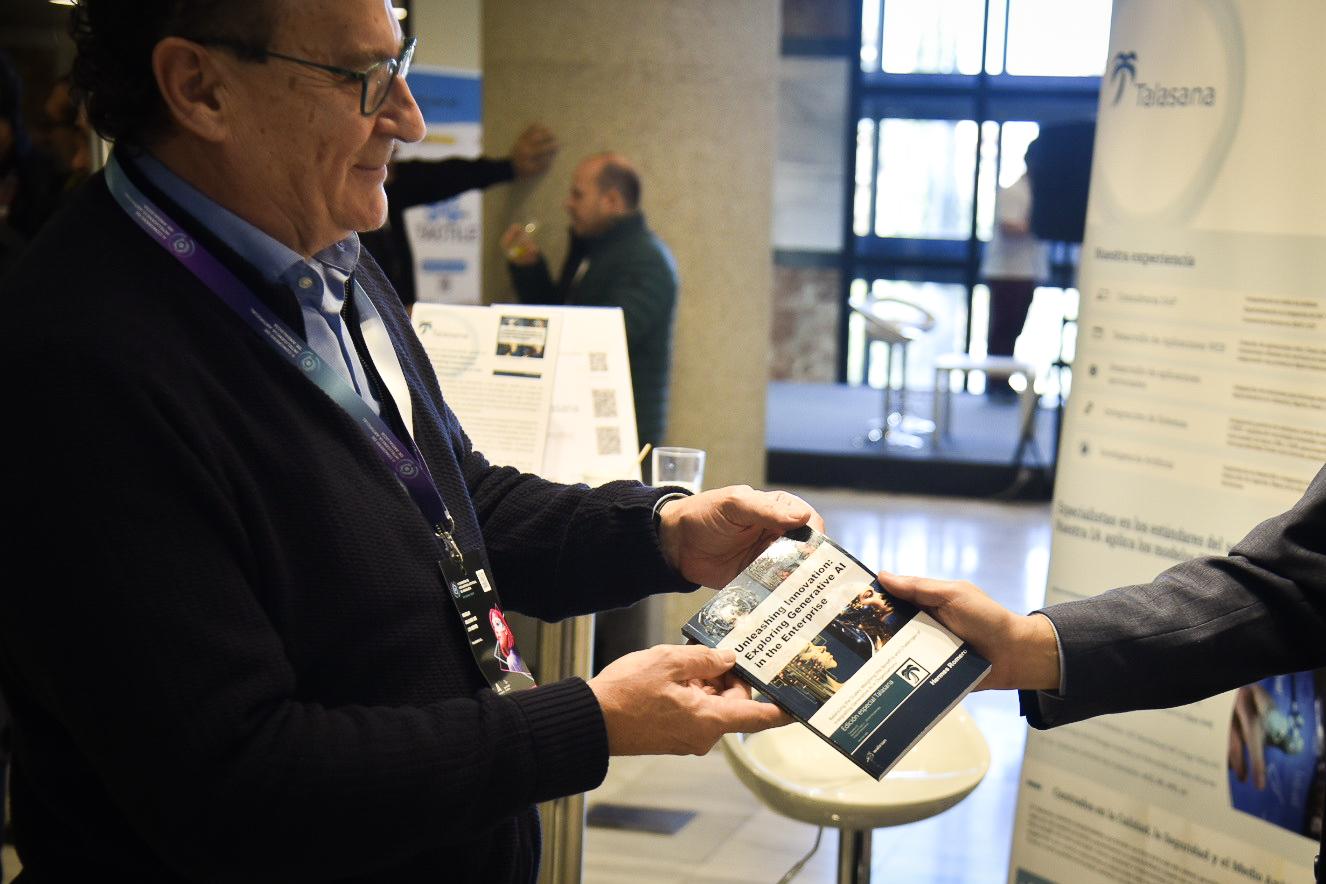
[{"x": 613, "y": 260}]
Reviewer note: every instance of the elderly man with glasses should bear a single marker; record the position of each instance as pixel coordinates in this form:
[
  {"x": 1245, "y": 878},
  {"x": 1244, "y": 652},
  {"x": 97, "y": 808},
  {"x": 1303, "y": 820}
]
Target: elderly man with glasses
[{"x": 253, "y": 641}]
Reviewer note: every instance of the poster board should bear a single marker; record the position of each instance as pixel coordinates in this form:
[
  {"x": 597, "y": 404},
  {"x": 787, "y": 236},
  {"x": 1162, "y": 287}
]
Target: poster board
[
  {"x": 1198, "y": 410},
  {"x": 544, "y": 389},
  {"x": 445, "y": 237}
]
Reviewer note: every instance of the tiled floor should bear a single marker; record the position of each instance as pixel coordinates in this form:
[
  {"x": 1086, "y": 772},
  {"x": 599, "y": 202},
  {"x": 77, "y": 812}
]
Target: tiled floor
[{"x": 1003, "y": 548}]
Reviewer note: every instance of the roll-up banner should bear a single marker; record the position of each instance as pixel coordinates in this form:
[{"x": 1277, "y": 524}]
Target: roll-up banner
[
  {"x": 445, "y": 237},
  {"x": 1198, "y": 409}
]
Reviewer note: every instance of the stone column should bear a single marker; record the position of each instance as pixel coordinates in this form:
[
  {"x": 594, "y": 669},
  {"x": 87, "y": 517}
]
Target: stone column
[{"x": 687, "y": 89}]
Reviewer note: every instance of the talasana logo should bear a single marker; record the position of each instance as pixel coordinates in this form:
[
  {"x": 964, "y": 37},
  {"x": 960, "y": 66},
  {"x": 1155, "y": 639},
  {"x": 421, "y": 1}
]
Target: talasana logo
[{"x": 1123, "y": 73}]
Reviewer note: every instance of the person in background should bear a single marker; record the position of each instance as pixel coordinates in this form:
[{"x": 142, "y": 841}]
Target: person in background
[
  {"x": 421, "y": 182},
  {"x": 613, "y": 260},
  {"x": 235, "y": 654},
  {"x": 1202, "y": 627},
  {"x": 1013, "y": 264},
  {"x": 68, "y": 133},
  {"x": 30, "y": 182}
]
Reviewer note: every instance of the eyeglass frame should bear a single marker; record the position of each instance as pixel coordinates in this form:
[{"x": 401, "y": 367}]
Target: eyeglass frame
[{"x": 401, "y": 66}]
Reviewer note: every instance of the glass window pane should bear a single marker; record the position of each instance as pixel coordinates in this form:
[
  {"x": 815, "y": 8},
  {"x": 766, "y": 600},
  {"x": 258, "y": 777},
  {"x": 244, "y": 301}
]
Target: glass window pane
[
  {"x": 926, "y": 178},
  {"x": 1013, "y": 140},
  {"x": 994, "y": 41},
  {"x": 946, "y": 302},
  {"x": 808, "y": 175},
  {"x": 864, "y": 176},
  {"x": 1043, "y": 335},
  {"x": 985, "y": 180},
  {"x": 933, "y": 36},
  {"x": 1051, "y": 38},
  {"x": 856, "y": 336},
  {"x": 870, "y": 35}
]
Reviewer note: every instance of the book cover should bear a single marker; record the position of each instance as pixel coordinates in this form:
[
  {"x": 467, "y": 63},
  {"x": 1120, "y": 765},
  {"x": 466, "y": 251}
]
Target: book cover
[{"x": 814, "y": 631}]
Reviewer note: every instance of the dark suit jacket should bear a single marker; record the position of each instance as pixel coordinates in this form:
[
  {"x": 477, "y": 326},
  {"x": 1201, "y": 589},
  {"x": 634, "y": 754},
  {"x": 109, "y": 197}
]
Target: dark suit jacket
[{"x": 1205, "y": 626}]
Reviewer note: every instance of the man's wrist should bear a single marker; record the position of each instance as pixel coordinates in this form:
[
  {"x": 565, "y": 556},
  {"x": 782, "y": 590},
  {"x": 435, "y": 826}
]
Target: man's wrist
[
  {"x": 666, "y": 542},
  {"x": 664, "y": 501},
  {"x": 1043, "y": 662}
]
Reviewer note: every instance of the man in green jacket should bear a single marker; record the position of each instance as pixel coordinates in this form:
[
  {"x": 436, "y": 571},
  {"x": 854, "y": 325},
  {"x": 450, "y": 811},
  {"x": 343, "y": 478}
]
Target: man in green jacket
[{"x": 614, "y": 260}]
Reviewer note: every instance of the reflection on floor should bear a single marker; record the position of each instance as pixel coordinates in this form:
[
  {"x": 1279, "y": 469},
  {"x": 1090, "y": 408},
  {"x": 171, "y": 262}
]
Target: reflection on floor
[{"x": 1003, "y": 548}]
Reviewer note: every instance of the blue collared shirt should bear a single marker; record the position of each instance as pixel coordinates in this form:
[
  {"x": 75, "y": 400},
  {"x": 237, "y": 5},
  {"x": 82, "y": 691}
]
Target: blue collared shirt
[{"x": 320, "y": 285}]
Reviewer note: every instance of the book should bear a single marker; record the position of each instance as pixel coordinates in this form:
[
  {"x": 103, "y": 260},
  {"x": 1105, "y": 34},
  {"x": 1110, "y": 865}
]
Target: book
[{"x": 815, "y": 633}]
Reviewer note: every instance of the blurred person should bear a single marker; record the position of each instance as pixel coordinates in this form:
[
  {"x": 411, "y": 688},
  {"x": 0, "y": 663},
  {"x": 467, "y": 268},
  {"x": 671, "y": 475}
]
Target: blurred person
[
  {"x": 1205, "y": 626},
  {"x": 29, "y": 179},
  {"x": 613, "y": 260},
  {"x": 422, "y": 182},
  {"x": 69, "y": 135},
  {"x": 249, "y": 666},
  {"x": 1014, "y": 262}
]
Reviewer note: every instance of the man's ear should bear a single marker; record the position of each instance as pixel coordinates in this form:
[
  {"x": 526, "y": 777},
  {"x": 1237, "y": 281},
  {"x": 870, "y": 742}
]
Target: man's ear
[
  {"x": 614, "y": 202},
  {"x": 191, "y": 85}
]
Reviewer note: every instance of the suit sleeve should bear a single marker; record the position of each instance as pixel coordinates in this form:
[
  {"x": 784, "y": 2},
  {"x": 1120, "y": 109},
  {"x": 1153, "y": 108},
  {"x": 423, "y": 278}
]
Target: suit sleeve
[
  {"x": 417, "y": 182},
  {"x": 1202, "y": 627}
]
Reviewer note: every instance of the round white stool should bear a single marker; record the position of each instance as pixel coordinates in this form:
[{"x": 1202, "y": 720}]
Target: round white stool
[{"x": 797, "y": 774}]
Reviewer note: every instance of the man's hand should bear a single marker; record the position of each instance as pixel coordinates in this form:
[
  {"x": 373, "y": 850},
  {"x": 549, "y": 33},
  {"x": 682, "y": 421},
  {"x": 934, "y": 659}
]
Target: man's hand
[
  {"x": 534, "y": 151},
  {"x": 677, "y": 700},
  {"x": 1022, "y": 651},
  {"x": 1247, "y": 734},
  {"x": 711, "y": 536},
  {"x": 519, "y": 245}
]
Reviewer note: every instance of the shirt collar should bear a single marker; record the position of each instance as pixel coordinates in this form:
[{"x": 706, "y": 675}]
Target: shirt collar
[{"x": 274, "y": 260}]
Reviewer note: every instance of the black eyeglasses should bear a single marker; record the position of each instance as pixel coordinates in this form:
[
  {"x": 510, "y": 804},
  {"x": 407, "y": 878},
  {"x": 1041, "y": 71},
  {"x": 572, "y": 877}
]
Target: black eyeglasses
[{"x": 375, "y": 82}]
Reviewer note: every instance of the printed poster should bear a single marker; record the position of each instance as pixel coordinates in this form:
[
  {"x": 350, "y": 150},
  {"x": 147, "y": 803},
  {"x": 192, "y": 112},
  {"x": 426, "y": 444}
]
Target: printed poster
[
  {"x": 1198, "y": 409},
  {"x": 446, "y": 237}
]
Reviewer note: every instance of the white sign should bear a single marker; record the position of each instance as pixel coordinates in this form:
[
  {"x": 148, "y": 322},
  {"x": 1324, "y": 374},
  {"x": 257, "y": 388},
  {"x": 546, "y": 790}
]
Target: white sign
[
  {"x": 544, "y": 389},
  {"x": 445, "y": 237},
  {"x": 1198, "y": 409}
]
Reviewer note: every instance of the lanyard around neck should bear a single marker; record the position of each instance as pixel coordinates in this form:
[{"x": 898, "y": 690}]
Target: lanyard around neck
[{"x": 402, "y": 459}]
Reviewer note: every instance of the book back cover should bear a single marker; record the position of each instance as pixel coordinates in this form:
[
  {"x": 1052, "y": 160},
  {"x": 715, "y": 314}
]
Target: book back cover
[{"x": 815, "y": 632}]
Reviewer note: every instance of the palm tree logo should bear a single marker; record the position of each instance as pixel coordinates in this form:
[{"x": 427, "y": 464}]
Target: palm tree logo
[
  {"x": 911, "y": 673},
  {"x": 1125, "y": 71}
]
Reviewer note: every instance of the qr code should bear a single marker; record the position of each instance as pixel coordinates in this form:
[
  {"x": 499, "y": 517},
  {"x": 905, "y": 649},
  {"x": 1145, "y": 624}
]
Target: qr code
[
  {"x": 598, "y": 361},
  {"x": 605, "y": 403},
  {"x": 610, "y": 440}
]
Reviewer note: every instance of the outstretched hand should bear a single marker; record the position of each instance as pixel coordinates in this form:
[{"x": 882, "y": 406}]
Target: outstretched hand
[
  {"x": 534, "y": 151},
  {"x": 677, "y": 700},
  {"x": 710, "y": 537},
  {"x": 1022, "y": 650}
]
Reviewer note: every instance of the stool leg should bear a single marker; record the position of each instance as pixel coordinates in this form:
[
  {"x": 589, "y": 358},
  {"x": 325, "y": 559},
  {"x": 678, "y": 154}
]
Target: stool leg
[
  {"x": 948, "y": 403},
  {"x": 888, "y": 384},
  {"x": 902, "y": 387},
  {"x": 941, "y": 381},
  {"x": 853, "y": 856}
]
